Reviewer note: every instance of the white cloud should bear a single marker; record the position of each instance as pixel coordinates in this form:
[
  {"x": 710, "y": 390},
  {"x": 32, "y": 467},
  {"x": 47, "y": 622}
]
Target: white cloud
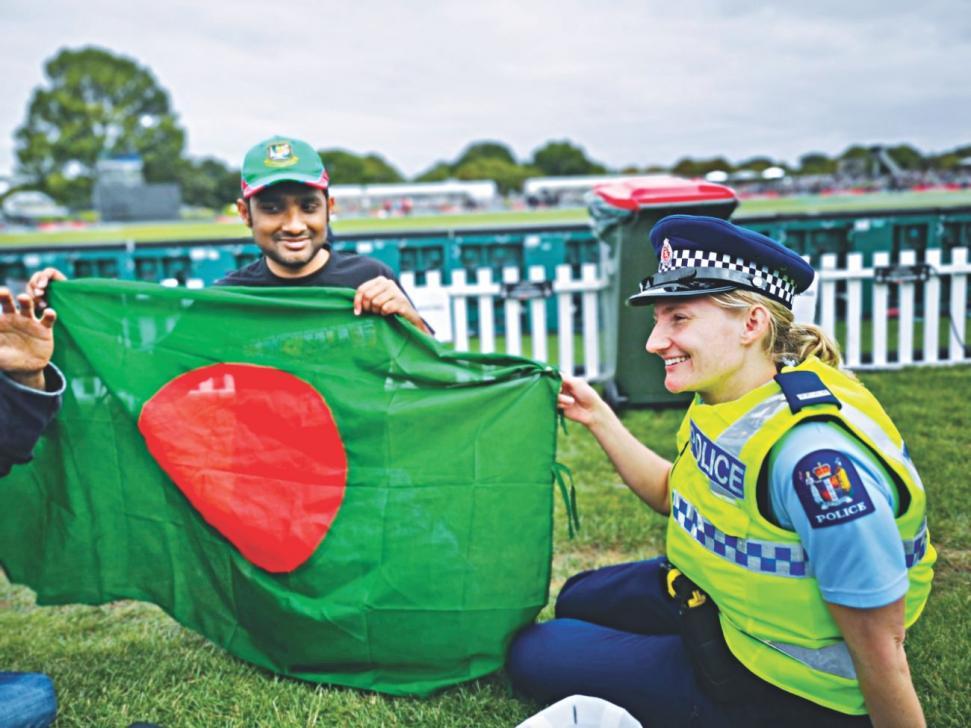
[{"x": 632, "y": 82}]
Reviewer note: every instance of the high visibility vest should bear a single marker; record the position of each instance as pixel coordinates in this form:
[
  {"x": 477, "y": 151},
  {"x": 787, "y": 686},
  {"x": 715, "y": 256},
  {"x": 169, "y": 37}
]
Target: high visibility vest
[{"x": 771, "y": 610}]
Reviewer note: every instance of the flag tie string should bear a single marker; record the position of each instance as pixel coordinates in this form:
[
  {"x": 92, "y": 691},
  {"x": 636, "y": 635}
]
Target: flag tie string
[{"x": 569, "y": 497}]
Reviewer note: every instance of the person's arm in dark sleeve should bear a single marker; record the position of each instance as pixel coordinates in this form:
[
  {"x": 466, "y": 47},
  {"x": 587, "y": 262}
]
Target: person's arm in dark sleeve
[
  {"x": 25, "y": 413},
  {"x": 30, "y": 386}
]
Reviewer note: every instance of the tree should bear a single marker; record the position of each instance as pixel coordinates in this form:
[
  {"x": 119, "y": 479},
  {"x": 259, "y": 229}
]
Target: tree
[
  {"x": 858, "y": 152},
  {"x": 816, "y": 163},
  {"x": 907, "y": 156},
  {"x": 757, "y": 164},
  {"x": 208, "y": 183},
  {"x": 482, "y": 160},
  {"x": 377, "y": 170},
  {"x": 562, "y": 158},
  {"x": 348, "y": 168},
  {"x": 485, "y": 150},
  {"x": 94, "y": 104},
  {"x": 946, "y": 161},
  {"x": 508, "y": 176},
  {"x": 951, "y": 159},
  {"x": 688, "y": 167},
  {"x": 438, "y": 172}
]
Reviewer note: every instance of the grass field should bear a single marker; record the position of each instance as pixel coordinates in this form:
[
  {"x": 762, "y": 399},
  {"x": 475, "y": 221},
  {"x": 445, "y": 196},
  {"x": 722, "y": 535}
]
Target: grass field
[
  {"x": 128, "y": 661},
  {"x": 187, "y": 231}
]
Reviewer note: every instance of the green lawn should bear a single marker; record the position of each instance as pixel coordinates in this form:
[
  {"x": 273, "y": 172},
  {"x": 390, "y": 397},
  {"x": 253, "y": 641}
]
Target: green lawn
[
  {"x": 188, "y": 231},
  {"x": 822, "y": 205},
  {"x": 944, "y": 328},
  {"x": 194, "y": 230},
  {"x": 128, "y": 661}
]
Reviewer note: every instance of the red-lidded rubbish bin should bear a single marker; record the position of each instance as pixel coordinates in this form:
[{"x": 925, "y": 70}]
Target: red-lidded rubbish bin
[{"x": 622, "y": 214}]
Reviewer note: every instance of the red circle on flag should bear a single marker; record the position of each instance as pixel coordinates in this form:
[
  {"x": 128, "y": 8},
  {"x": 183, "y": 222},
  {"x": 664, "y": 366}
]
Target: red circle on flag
[{"x": 258, "y": 454}]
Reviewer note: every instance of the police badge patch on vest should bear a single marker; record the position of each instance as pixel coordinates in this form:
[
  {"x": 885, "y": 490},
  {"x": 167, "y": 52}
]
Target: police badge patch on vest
[{"x": 830, "y": 489}]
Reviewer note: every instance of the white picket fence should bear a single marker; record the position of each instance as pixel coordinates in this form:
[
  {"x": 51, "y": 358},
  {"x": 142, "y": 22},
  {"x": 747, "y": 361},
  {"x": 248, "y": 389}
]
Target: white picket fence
[
  {"x": 855, "y": 274},
  {"x": 446, "y": 308}
]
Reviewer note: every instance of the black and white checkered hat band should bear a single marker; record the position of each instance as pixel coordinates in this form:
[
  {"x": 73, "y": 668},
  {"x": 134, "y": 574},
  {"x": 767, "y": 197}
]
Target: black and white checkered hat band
[{"x": 770, "y": 282}]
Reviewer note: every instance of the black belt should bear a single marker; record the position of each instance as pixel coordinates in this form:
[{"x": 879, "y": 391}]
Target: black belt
[
  {"x": 717, "y": 670},
  {"x": 725, "y": 679}
]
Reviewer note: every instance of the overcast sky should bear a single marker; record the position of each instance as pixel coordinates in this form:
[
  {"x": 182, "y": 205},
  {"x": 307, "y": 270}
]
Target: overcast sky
[{"x": 631, "y": 82}]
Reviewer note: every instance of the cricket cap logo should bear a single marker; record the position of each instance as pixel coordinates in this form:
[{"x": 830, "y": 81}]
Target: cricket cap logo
[
  {"x": 280, "y": 154},
  {"x": 829, "y": 484}
]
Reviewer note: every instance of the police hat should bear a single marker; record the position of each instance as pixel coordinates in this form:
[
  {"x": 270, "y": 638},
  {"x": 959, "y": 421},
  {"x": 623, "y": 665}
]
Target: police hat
[{"x": 698, "y": 256}]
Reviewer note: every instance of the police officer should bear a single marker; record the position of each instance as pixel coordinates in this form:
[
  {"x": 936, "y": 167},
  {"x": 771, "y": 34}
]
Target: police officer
[{"x": 797, "y": 551}]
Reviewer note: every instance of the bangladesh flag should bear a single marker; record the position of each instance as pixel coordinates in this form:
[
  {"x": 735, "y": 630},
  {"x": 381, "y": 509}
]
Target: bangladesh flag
[{"x": 329, "y": 496}]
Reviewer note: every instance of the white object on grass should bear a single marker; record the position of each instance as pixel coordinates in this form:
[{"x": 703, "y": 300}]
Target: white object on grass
[{"x": 581, "y": 711}]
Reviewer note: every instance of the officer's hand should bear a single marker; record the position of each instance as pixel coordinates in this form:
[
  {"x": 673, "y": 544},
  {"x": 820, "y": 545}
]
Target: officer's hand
[
  {"x": 37, "y": 285},
  {"x": 578, "y": 401},
  {"x": 26, "y": 342}
]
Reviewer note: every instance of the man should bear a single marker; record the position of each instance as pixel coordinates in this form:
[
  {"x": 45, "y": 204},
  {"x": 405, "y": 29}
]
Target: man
[
  {"x": 30, "y": 394},
  {"x": 286, "y": 204}
]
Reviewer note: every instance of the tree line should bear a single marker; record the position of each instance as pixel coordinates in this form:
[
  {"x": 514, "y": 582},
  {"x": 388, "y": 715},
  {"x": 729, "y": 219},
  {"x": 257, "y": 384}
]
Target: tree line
[{"x": 98, "y": 104}]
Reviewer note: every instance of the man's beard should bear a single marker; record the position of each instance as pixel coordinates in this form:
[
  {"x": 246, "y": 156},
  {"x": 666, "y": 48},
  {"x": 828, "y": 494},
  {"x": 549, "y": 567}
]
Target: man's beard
[{"x": 281, "y": 258}]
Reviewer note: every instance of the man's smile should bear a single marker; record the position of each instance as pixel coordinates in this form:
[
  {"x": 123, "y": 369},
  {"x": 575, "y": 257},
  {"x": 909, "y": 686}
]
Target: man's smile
[{"x": 294, "y": 243}]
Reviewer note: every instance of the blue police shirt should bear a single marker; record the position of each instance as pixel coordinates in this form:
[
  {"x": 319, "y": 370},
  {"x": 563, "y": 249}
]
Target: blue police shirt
[{"x": 825, "y": 485}]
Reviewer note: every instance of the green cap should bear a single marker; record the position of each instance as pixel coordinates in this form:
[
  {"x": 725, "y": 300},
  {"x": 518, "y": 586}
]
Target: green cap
[{"x": 281, "y": 159}]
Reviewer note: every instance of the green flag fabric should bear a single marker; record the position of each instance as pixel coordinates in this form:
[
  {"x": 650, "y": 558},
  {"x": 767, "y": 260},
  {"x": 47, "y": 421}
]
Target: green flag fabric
[{"x": 333, "y": 497}]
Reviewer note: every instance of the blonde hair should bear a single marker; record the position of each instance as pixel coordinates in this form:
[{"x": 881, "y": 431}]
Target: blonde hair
[{"x": 787, "y": 342}]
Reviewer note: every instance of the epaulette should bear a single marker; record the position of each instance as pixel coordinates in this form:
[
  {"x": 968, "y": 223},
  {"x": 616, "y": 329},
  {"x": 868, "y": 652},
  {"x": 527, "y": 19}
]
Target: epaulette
[{"x": 804, "y": 388}]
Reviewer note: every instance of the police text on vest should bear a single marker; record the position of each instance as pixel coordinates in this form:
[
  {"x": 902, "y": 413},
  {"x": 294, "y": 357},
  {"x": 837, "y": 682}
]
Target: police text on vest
[{"x": 725, "y": 472}]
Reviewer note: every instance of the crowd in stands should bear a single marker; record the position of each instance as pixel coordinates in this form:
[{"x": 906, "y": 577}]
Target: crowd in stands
[
  {"x": 844, "y": 183},
  {"x": 841, "y": 183}
]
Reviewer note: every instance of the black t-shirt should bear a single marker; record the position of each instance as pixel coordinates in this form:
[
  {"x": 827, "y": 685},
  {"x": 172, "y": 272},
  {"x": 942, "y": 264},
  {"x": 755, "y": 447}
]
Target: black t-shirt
[{"x": 342, "y": 270}]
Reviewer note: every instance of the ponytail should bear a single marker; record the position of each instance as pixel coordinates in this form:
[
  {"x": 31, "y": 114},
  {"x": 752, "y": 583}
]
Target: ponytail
[
  {"x": 801, "y": 341},
  {"x": 787, "y": 342}
]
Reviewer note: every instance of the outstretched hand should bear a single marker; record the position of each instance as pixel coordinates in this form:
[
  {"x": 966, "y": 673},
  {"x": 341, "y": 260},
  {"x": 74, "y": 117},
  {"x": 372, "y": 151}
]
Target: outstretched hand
[
  {"x": 37, "y": 285},
  {"x": 382, "y": 296},
  {"x": 26, "y": 342}
]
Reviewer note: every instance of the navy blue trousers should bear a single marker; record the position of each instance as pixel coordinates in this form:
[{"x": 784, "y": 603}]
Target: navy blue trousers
[{"x": 616, "y": 636}]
